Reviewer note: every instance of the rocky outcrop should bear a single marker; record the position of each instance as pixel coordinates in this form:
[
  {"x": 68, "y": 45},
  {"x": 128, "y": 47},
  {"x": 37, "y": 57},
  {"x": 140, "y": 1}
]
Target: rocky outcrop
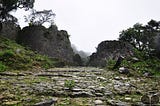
[
  {"x": 9, "y": 30},
  {"x": 47, "y": 41},
  {"x": 110, "y": 50}
]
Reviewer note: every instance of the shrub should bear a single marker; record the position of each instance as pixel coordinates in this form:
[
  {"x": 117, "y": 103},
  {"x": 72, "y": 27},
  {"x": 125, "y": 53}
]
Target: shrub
[
  {"x": 2, "y": 67},
  {"x": 110, "y": 64},
  {"x": 69, "y": 84}
]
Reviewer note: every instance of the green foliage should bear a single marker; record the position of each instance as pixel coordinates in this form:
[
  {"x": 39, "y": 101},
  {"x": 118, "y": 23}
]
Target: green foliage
[
  {"x": 151, "y": 65},
  {"x": 110, "y": 64},
  {"x": 46, "y": 61},
  {"x": 142, "y": 37},
  {"x": 2, "y": 67},
  {"x": 69, "y": 84},
  {"x": 140, "y": 66},
  {"x": 6, "y": 54}
]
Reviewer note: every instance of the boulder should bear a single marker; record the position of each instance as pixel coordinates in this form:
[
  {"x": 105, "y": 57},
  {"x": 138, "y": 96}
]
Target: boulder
[
  {"x": 123, "y": 70},
  {"x": 98, "y": 102}
]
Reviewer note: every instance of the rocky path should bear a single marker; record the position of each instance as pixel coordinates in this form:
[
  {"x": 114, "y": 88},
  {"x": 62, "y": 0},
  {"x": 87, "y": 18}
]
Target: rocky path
[{"x": 89, "y": 87}]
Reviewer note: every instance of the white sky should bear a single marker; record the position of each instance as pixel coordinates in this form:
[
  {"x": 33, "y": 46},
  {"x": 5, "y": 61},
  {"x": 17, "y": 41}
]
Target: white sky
[{"x": 91, "y": 21}]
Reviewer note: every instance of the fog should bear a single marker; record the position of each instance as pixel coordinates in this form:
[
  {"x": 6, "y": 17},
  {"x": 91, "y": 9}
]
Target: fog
[{"x": 80, "y": 52}]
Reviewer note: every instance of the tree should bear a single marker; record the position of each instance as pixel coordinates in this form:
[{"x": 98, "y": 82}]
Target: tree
[
  {"x": 141, "y": 36},
  {"x": 7, "y": 6},
  {"x": 40, "y": 17},
  {"x": 154, "y": 24}
]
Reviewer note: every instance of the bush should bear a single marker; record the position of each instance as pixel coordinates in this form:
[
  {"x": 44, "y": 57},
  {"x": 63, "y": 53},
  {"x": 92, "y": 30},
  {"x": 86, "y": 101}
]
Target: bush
[
  {"x": 110, "y": 64},
  {"x": 2, "y": 67},
  {"x": 6, "y": 54},
  {"x": 69, "y": 84}
]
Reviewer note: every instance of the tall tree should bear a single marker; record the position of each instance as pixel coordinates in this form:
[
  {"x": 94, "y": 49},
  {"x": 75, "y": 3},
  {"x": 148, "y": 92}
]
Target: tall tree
[
  {"x": 7, "y": 6},
  {"x": 141, "y": 36}
]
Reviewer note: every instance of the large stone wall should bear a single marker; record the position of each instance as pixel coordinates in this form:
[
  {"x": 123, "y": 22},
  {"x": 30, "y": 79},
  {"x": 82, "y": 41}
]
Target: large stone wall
[
  {"x": 47, "y": 41},
  {"x": 110, "y": 50},
  {"x": 9, "y": 30}
]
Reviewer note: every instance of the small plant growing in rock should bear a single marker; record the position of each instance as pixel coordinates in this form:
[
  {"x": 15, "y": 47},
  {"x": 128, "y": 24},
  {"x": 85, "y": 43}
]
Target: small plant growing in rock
[
  {"x": 69, "y": 84},
  {"x": 110, "y": 64}
]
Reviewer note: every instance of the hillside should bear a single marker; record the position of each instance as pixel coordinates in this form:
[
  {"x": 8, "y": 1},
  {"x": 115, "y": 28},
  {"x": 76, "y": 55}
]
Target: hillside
[
  {"x": 30, "y": 79},
  {"x": 16, "y": 57}
]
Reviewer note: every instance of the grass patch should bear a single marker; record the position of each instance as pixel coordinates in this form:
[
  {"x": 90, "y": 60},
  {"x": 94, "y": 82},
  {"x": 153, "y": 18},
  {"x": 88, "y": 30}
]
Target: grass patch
[{"x": 144, "y": 64}]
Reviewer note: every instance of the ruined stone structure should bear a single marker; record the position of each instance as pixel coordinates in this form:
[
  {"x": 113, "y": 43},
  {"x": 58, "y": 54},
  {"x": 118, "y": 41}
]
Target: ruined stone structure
[
  {"x": 47, "y": 41},
  {"x": 9, "y": 30},
  {"x": 110, "y": 50}
]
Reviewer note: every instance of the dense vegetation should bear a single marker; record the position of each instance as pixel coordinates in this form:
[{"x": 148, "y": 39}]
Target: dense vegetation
[
  {"x": 145, "y": 40},
  {"x": 144, "y": 37}
]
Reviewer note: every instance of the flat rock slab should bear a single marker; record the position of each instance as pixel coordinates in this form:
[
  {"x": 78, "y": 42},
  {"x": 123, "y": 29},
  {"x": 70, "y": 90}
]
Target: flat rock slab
[{"x": 93, "y": 87}]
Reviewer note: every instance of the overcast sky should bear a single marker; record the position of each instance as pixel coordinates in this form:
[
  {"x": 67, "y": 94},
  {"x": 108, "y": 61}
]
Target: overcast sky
[{"x": 91, "y": 21}]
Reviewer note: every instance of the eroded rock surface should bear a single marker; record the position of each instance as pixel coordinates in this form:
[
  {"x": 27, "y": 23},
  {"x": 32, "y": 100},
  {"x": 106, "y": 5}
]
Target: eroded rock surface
[
  {"x": 107, "y": 50},
  {"x": 48, "y": 41}
]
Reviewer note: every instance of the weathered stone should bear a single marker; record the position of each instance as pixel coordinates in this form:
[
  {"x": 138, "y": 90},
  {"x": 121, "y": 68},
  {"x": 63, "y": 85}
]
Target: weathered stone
[
  {"x": 108, "y": 93},
  {"x": 91, "y": 88},
  {"x": 77, "y": 90},
  {"x": 128, "y": 98},
  {"x": 46, "y": 103},
  {"x": 47, "y": 41},
  {"x": 48, "y": 74},
  {"x": 101, "y": 78},
  {"x": 117, "y": 103},
  {"x": 99, "y": 94},
  {"x": 82, "y": 94},
  {"x": 110, "y": 50},
  {"x": 117, "y": 78},
  {"x": 10, "y": 30},
  {"x": 98, "y": 102},
  {"x": 147, "y": 74},
  {"x": 100, "y": 90},
  {"x": 123, "y": 70},
  {"x": 11, "y": 74},
  {"x": 134, "y": 59}
]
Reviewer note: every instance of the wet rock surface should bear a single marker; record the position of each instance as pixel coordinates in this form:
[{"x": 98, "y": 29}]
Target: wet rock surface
[{"x": 93, "y": 87}]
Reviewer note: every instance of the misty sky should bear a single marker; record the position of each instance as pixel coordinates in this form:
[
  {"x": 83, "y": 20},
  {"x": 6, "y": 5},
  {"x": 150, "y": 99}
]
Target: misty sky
[{"x": 91, "y": 21}]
